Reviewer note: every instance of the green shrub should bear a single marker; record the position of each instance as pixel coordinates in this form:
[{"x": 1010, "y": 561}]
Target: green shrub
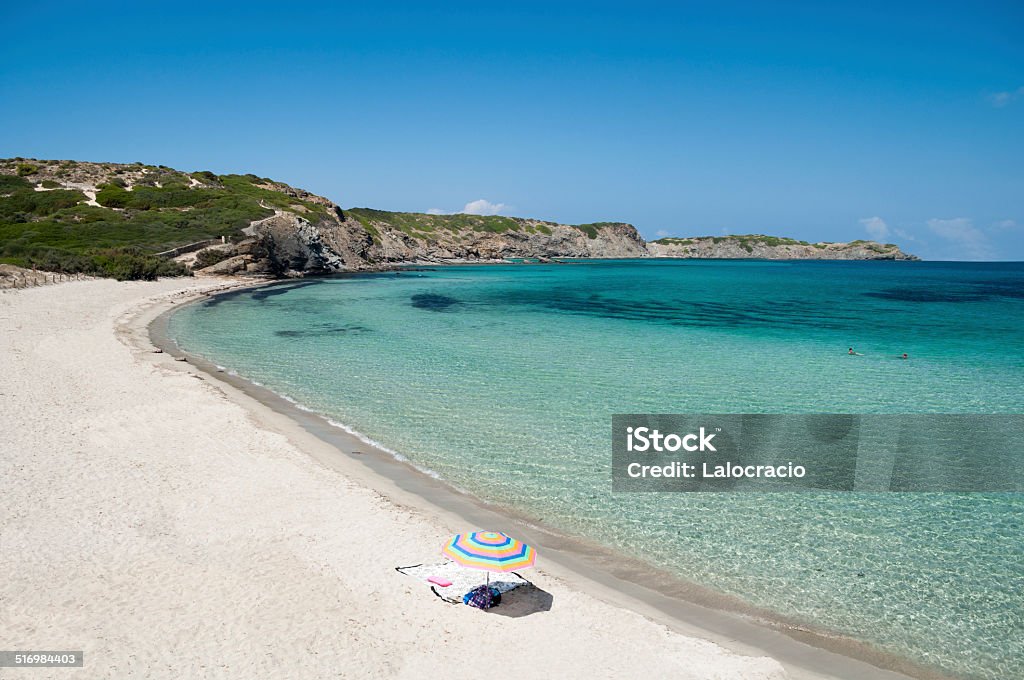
[
  {"x": 132, "y": 264},
  {"x": 174, "y": 183},
  {"x": 10, "y": 183},
  {"x": 113, "y": 196},
  {"x": 31, "y": 203},
  {"x": 48, "y": 202},
  {"x": 209, "y": 257},
  {"x": 50, "y": 259},
  {"x": 123, "y": 264},
  {"x": 25, "y": 169}
]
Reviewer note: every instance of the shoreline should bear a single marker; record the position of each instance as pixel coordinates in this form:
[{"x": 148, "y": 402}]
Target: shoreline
[{"x": 685, "y": 607}]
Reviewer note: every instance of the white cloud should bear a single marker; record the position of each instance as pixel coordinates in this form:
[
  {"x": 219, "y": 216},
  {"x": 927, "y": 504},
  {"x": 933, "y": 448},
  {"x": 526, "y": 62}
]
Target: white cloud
[
  {"x": 662, "y": 233},
  {"x": 879, "y": 230},
  {"x": 876, "y": 228},
  {"x": 480, "y": 207},
  {"x": 969, "y": 241},
  {"x": 483, "y": 207},
  {"x": 1001, "y": 99},
  {"x": 1005, "y": 224}
]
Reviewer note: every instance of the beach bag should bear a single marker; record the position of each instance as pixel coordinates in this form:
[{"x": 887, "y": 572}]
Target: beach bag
[{"x": 482, "y": 597}]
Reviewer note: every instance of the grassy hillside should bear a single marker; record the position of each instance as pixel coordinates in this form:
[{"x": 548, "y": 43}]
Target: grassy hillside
[
  {"x": 47, "y": 221},
  {"x": 425, "y": 226}
]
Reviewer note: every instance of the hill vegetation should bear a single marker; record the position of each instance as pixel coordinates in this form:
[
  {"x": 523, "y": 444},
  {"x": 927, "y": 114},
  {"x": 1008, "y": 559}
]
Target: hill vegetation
[
  {"x": 425, "y": 226},
  {"x": 112, "y": 219}
]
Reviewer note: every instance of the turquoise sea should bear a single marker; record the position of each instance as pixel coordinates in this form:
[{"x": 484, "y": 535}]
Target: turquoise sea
[{"x": 502, "y": 380}]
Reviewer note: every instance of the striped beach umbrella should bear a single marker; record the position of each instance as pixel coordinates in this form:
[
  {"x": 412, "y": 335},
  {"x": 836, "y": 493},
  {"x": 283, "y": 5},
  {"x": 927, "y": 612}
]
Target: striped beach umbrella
[{"x": 490, "y": 551}]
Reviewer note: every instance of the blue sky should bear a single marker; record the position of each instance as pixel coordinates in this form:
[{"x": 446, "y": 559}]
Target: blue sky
[{"x": 901, "y": 121}]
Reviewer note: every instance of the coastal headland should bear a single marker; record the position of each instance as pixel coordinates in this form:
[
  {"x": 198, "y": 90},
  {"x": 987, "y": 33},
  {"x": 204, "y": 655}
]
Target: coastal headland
[{"x": 138, "y": 221}]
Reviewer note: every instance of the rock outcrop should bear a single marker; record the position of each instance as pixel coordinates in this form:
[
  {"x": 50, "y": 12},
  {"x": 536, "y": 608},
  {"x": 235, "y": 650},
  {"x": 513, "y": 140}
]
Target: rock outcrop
[
  {"x": 288, "y": 244},
  {"x": 758, "y": 246},
  {"x": 410, "y": 237}
]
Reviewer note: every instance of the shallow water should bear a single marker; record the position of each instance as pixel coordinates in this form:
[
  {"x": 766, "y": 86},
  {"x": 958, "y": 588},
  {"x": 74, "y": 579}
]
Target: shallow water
[{"x": 503, "y": 379}]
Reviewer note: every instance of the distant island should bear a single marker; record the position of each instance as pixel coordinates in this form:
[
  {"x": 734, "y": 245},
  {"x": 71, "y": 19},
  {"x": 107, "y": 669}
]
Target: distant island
[
  {"x": 139, "y": 221},
  {"x": 773, "y": 248}
]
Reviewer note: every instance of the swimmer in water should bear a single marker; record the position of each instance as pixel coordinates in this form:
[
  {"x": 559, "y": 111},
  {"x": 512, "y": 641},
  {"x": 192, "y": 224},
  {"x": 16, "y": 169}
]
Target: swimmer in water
[
  {"x": 854, "y": 354},
  {"x": 904, "y": 356}
]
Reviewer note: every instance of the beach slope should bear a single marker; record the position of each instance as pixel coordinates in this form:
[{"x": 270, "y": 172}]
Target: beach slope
[{"x": 154, "y": 523}]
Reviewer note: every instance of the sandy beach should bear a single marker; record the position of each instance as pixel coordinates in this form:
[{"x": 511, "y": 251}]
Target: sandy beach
[{"x": 169, "y": 525}]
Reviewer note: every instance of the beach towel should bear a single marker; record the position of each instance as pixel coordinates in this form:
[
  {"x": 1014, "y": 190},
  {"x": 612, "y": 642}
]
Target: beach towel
[{"x": 463, "y": 580}]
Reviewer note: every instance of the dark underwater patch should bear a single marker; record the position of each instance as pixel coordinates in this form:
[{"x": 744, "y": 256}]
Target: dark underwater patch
[
  {"x": 265, "y": 292},
  {"x": 320, "y": 330},
  {"x": 1003, "y": 289},
  {"x": 973, "y": 290},
  {"x": 927, "y": 295},
  {"x": 433, "y": 302},
  {"x": 259, "y": 294},
  {"x": 781, "y": 313}
]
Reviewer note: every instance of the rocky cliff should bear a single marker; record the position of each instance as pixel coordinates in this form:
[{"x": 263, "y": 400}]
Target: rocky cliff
[
  {"x": 403, "y": 237},
  {"x": 764, "y": 247},
  {"x": 360, "y": 238}
]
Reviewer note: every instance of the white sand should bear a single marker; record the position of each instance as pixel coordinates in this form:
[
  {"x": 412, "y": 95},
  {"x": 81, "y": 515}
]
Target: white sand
[
  {"x": 87, "y": 189},
  {"x": 150, "y": 520}
]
